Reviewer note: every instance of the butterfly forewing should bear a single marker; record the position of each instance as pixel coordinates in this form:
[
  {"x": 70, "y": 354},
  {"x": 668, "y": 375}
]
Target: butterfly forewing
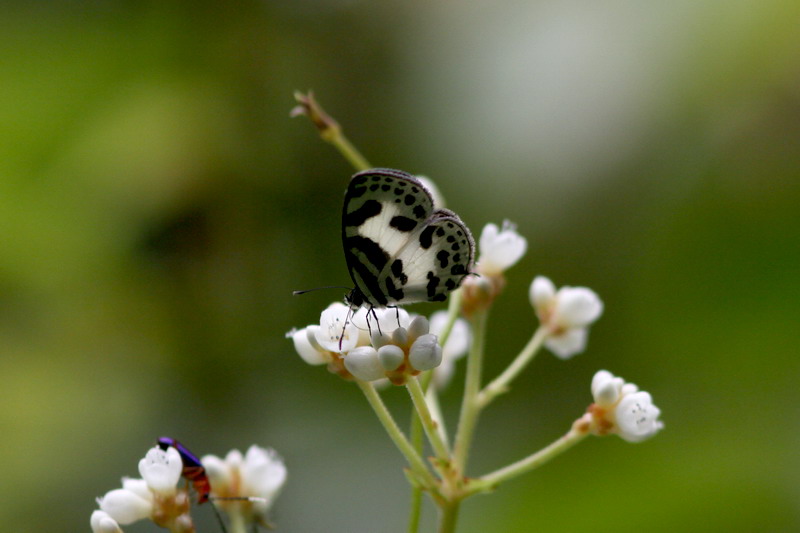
[{"x": 397, "y": 248}]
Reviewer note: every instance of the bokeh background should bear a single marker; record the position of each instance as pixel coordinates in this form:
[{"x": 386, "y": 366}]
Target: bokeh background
[{"x": 158, "y": 205}]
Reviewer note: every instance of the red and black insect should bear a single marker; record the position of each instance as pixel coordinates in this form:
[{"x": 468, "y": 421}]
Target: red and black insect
[{"x": 193, "y": 469}]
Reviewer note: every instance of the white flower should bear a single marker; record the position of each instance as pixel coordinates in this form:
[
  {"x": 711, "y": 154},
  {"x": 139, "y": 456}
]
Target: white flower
[
  {"x": 332, "y": 334},
  {"x": 566, "y": 313},
  {"x": 456, "y": 346},
  {"x": 623, "y": 409},
  {"x": 500, "y": 248},
  {"x": 161, "y": 469},
  {"x": 102, "y": 522},
  {"x": 257, "y": 478}
]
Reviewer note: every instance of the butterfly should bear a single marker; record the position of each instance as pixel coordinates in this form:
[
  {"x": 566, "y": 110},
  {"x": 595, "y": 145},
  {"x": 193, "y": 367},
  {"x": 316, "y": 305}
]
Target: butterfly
[{"x": 399, "y": 249}]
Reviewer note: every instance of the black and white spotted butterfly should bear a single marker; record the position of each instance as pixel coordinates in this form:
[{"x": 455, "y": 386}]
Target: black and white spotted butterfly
[{"x": 398, "y": 248}]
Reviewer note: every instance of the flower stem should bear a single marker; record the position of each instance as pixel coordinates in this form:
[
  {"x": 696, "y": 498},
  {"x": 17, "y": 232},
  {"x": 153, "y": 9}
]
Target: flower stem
[
  {"x": 491, "y": 480},
  {"x": 428, "y": 423},
  {"x": 414, "y": 459},
  {"x": 448, "y": 514},
  {"x": 236, "y": 523},
  {"x": 470, "y": 408},
  {"x": 500, "y": 384},
  {"x": 328, "y": 128}
]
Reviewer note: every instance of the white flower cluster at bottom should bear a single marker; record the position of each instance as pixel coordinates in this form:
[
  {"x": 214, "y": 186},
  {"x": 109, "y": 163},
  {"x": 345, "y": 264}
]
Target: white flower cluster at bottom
[{"x": 255, "y": 479}]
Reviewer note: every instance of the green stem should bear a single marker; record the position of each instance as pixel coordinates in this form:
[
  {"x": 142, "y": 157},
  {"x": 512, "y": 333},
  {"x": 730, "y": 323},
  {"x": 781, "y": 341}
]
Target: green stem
[
  {"x": 454, "y": 305},
  {"x": 414, "y": 459},
  {"x": 416, "y": 509},
  {"x": 470, "y": 408},
  {"x": 428, "y": 423},
  {"x": 491, "y": 480},
  {"x": 236, "y": 523},
  {"x": 448, "y": 515},
  {"x": 500, "y": 383},
  {"x": 416, "y": 435},
  {"x": 349, "y": 151}
]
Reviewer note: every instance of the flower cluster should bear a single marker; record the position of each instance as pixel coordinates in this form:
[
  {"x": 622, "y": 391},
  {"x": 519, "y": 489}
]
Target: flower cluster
[
  {"x": 155, "y": 496},
  {"x": 621, "y": 408},
  {"x": 247, "y": 484},
  {"x": 252, "y": 483},
  {"x": 377, "y": 344}
]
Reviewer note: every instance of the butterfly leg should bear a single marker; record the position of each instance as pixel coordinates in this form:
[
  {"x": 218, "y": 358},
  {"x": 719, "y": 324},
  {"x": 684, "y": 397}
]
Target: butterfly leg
[
  {"x": 344, "y": 327},
  {"x": 397, "y": 313},
  {"x": 378, "y": 322}
]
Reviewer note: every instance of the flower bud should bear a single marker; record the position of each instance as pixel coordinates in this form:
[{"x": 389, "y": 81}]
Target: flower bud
[
  {"x": 418, "y": 327},
  {"x": 425, "y": 353},
  {"x": 391, "y": 356},
  {"x": 364, "y": 364}
]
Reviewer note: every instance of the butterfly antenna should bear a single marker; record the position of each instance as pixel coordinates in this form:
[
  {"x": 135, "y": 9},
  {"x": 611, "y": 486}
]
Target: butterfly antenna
[{"x": 296, "y": 293}]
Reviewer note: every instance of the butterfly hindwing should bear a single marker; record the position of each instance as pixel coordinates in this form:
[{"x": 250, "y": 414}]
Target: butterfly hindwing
[
  {"x": 433, "y": 262},
  {"x": 397, "y": 248}
]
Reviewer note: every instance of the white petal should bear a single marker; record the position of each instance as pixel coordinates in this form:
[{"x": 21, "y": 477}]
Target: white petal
[
  {"x": 606, "y": 388},
  {"x": 304, "y": 347},
  {"x": 218, "y": 472},
  {"x": 124, "y": 506},
  {"x": 161, "y": 469},
  {"x": 234, "y": 459},
  {"x": 567, "y": 344},
  {"x": 332, "y": 329},
  {"x": 500, "y": 249},
  {"x": 388, "y": 320},
  {"x": 438, "y": 199},
  {"x": 458, "y": 342},
  {"x": 364, "y": 364},
  {"x": 637, "y": 417},
  {"x": 542, "y": 294},
  {"x": 263, "y": 472},
  {"x": 139, "y": 487},
  {"x": 103, "y": 523},
  {"x": 577, "y": 307}
]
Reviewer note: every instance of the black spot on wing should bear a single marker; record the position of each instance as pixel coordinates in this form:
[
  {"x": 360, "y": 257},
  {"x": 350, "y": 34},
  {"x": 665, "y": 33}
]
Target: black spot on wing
[
  {"x": 419, "y": 211},
  {"x": 393, "y": 292},
  {"x": 368, "y": 209},
  {"x": 433, "y": 284},
  {"x": 397, "y": 271},
  {"x": 426, "y": 237},
  {"x": 402, "y": 223},
  {"x": 443, "y": 256}
]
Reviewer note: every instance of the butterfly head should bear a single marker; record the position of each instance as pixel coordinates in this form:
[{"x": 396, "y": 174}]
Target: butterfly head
[{"x": 355, "y": 298}]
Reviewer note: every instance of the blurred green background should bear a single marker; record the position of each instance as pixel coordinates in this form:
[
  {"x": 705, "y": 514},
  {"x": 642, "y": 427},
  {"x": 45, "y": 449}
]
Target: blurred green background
[{"x": 157, "y": 207}]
